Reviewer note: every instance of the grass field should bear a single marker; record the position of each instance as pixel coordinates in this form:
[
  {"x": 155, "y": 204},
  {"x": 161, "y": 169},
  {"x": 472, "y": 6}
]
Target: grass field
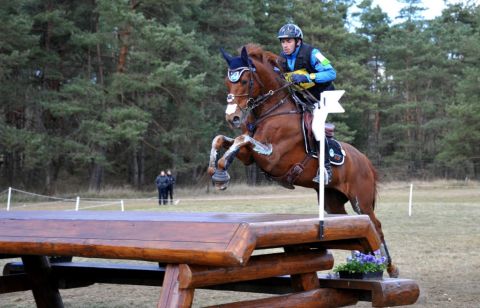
[{"x": 438, "y": 246}]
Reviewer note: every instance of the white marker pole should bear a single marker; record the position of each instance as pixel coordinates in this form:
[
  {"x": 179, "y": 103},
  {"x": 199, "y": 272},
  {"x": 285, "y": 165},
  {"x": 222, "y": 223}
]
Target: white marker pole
[
  {"x": 328, "y": 104},
  {"x": 122, "y": 206},
  {"x": 77, "y": 204},
  {"x": 321, "y": 163},
  {"x": 410, "y": 200},
  {"x": 9, "y": 198}
]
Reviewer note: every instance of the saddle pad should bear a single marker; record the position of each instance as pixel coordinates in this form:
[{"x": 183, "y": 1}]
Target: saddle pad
[{"x": 335, "y": 151}]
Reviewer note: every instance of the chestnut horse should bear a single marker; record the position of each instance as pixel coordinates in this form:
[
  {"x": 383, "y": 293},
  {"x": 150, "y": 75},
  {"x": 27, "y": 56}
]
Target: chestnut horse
[{"x": 261, "y": 104}]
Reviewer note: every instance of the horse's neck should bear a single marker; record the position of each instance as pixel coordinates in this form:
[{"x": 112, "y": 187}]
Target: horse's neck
[{"x": 280, "y": 96}]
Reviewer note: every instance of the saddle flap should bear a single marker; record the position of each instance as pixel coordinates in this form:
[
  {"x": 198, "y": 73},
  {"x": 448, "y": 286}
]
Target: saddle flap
[{"x": 336, "y": 153}]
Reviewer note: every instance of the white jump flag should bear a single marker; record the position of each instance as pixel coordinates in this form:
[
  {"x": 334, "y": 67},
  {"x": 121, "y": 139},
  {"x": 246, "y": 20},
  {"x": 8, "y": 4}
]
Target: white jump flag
[{"x": 328, "y": 104}]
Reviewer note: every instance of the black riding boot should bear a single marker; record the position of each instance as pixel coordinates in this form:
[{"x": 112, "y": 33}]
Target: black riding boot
[{"x": 328, "y": 167}]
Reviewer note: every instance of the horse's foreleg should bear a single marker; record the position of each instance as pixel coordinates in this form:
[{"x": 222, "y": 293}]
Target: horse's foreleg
[
  {"x": 245, "y": 143},
  {"x": 218, "y": 142}
]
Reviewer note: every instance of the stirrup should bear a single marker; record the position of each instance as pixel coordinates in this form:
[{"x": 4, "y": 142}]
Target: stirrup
[{"x": 327, "y": 174}]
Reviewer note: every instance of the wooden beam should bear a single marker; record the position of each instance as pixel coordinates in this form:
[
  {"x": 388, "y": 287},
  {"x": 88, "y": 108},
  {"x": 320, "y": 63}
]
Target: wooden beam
[
  {"x": 383, "y": 293},
  {"x": 14, "y": 283},
  {"x": 307, "y": 299},
  {"x": 356, "y": 230},
  {"x": 216, "y": 244},
  {"x": 261, "y": 266}
]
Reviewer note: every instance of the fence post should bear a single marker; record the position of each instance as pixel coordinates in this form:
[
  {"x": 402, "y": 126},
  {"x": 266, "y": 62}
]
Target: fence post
[
  {"x": 121, "y": 204},
  {"x": 410, "y": 200},
  {"x": 9, "y": 198},
  {"x": 77, "y": 205}
]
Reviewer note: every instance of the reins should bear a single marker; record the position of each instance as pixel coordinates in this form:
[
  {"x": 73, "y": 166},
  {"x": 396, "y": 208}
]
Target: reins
[{"x": 253, "y": 103}]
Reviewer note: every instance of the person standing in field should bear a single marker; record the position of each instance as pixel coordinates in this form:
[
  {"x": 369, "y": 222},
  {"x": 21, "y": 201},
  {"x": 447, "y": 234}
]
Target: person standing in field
[
  {"x": 162, "y": 185},
  {"x": 171, "y": 182}
]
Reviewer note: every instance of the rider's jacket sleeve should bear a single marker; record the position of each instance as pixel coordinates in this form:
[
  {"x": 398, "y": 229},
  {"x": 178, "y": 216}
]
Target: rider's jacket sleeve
[{"x": 325, "y": 71}]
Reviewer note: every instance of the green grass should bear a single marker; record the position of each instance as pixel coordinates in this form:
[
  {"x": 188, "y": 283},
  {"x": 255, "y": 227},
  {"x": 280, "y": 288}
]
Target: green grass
[{"x": 438, "y": 246}]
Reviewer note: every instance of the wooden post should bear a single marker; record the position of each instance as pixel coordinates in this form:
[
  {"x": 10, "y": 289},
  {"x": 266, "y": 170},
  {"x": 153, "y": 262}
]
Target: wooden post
[
  {"x": 44, "y": 288},
  {"x": 172, "y": 296},
  {"x": 304, "y": 281}
]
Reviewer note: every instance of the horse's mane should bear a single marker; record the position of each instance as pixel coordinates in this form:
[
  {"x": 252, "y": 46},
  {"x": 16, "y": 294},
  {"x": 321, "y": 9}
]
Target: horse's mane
[{"x": 256, "y": 52}]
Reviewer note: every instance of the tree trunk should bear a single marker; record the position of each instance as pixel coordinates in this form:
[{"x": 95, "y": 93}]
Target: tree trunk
[
  {"x": 96, "y": 176},
  {"x": 124, "y": 37},
  {"x": 97, "y": 170},
  {"x": 135, "y": 169},
  {"x": 141, "y": 166}
]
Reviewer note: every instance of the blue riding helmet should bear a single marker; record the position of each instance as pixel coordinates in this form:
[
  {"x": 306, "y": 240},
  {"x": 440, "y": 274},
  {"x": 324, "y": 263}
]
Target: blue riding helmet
[{"x": 290, "y": 31}]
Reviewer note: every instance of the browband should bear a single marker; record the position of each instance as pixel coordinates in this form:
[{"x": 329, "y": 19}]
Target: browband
[{"x": 235, "y": 74}]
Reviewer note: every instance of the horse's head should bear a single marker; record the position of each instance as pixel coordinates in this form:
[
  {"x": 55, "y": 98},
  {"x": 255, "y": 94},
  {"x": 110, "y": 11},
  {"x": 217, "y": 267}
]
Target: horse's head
[{"x": 244, "y": 82}]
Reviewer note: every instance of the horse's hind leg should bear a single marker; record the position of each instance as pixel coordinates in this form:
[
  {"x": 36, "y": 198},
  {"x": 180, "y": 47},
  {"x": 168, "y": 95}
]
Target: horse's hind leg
[
  {"x": 334, "y": 201},
  {"x": 361, "y": 208},
  {"x": 392, "y": 269}
]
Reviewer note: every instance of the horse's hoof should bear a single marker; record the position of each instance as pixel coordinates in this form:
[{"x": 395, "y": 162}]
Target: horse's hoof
[
  {"x": 221, "y": 186},
  {"x": 393, "y": 271},
  {"x": 220, "y": 179}
]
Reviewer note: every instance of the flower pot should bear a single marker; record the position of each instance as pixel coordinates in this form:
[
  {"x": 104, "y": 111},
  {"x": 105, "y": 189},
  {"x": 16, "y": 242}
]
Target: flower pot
[{"x": 369, "y": 275}]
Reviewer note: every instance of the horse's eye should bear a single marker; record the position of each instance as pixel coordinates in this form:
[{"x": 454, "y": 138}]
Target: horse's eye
[
  {"x": 244, "y": 82},
  {"x": 230, "y": 98}
]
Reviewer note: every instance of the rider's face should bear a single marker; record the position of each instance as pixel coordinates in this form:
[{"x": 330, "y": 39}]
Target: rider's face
[{"x": 288, "y": 45}]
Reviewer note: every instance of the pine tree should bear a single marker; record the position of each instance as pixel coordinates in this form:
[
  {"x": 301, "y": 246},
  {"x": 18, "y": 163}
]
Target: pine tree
[{"x": 459, "y": 31}]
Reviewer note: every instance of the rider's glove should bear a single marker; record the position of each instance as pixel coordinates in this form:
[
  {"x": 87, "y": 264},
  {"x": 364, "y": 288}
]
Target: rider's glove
[{"x": 298, "y": 78}]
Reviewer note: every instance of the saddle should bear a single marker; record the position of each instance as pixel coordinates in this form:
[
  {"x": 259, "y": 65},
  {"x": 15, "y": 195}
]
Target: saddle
[{"x": 336, "y": 154}]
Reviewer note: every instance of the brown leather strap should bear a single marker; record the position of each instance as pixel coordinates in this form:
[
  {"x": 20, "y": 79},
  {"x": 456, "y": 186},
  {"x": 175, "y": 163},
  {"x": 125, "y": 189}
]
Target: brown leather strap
[{"x": 291, "y": 176}]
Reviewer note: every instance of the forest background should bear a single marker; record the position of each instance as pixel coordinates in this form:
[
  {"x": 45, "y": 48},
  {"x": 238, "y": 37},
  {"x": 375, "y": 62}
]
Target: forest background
[{"x": 108, "y": 92}]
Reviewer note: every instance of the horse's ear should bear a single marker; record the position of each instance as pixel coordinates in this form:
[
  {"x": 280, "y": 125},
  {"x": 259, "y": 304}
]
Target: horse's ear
[
  {"x": 244, "y": 56},
  {"x": 226, "y": 56}
]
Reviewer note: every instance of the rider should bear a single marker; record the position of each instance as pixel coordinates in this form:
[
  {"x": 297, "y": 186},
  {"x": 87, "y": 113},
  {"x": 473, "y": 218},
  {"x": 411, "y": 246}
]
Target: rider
[{"x": 309, "y": 69}]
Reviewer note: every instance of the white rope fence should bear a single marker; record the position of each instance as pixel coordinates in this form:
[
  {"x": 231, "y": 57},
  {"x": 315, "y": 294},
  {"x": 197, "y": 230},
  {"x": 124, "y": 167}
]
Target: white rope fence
[{"x": 38, "y": 201}]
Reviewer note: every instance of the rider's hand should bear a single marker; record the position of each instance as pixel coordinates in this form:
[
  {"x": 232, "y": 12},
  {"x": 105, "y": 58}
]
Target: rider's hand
[{"x": 298, "y": 78}]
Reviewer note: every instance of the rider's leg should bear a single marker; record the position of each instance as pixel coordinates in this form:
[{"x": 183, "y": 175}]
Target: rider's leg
[{"x": 328, "y": 167}]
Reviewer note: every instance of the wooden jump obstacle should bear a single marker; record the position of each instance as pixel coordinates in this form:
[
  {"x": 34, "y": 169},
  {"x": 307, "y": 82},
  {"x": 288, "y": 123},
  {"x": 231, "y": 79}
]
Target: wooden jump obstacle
[{"x": 194, "y": 250}]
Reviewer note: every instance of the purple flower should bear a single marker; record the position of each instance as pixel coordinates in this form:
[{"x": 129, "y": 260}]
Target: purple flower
[{"x": 363, "y": 263}]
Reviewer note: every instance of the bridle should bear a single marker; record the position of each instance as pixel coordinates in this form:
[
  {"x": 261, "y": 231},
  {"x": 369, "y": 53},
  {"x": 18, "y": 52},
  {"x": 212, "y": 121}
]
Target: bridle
[{"x": 254, "y": 102}]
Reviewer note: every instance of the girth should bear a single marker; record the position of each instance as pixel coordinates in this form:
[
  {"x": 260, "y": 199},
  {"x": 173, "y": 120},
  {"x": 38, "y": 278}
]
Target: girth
[{"x": 291, "y": 176}]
